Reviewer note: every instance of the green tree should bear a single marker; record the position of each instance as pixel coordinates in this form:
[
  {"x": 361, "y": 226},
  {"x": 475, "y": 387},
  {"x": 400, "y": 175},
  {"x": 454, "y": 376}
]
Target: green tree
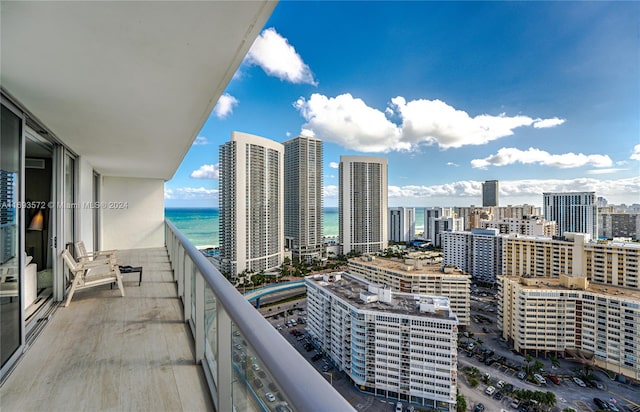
[
  {"x": 527, "y": 360},
  {"x": 537, "y": 365},
  {"x": 461, "y": 402},
  {"x": 555, "y": 362}
]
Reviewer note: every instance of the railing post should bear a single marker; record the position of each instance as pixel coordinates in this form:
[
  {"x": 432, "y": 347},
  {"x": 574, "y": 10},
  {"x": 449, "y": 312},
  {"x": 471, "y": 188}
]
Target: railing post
[
  {"x": 180, "y": 269},
  {"x": 199, "y": 317},
  {"x": 223, "y": 357},
  {"x": 188, "y": 270}
]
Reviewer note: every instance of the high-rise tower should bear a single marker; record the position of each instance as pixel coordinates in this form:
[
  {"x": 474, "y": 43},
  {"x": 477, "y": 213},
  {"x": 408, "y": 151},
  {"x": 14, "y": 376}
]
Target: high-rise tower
[
  {"x": 303, "y": 197},
  {"x": 362, "y": 203},
  {"x": 572, "y": 211},
  {"x": 251, "y": 207},
  {"x": 490, "y": 193}
]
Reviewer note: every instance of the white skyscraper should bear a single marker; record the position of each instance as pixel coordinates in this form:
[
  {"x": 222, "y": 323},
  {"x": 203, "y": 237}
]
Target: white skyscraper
[
  {"x": 362, "y": 203},
  {"x": 572, "y": 211},
  {"x": 303, "y": 197},
  {"x": 251, "y": 207},
  {"x": 402, "y": 224}
]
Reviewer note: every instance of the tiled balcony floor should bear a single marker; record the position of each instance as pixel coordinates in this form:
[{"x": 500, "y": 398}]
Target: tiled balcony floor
[{"x": 105, "y": 352}]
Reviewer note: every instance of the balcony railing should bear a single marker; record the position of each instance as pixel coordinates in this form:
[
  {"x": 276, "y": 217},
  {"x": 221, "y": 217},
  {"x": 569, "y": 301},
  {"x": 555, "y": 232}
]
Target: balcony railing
[{"x": 247, "y": 363}]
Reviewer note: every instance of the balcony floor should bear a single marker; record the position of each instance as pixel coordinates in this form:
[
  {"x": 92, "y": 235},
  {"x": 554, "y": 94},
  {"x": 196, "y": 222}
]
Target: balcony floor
[{"x": 105, "y": 352}]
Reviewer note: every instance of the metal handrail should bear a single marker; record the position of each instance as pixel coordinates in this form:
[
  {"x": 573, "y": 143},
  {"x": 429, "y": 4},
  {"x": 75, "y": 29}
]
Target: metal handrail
[{"x": 302, "y": 385}]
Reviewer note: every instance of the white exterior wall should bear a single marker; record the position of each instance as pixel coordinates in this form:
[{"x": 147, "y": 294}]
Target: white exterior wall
[
  {"x": 136, "y": 216},
  {"x": 412, "y": 355},
  {"x": 84, "y": 195}
]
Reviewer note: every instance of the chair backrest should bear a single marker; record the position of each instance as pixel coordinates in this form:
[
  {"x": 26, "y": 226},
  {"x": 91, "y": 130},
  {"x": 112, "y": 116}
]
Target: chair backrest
[
  {"x": 81, "y": 250},
  {"x": 69, "y": 260}
]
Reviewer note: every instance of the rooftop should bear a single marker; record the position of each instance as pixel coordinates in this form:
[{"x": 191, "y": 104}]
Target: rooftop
[
  {"x": 410, "y": 267},
  {"x": 369, "y": 296},
  {"x": 543, "y": 283}
]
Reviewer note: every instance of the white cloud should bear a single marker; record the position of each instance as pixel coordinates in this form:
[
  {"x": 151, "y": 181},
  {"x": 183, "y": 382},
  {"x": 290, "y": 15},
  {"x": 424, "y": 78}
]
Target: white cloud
[
  {"x": 452, "y": 164},
  {"x": 200, "y": 141},
  {"x": 334, "y": 165},
  {"x": 351, "y": 123},
  {"x": 278, "y": 58},
  {"x": 532, "y": 188},
  {"x": 435, "y": 122},
  {"x": 330, "y": 191},
  {"x": 225, "y": 106},
  {"x": 545, "y": 123},
  {"x": 307, "y": 133},
  {"x": 207, "y": 172},
  {"x": 604, "y": 171},
  {"x": 190, "y": 193},
  {"x": 636, "y": 152},
  {"x": 511, "y": 155}
]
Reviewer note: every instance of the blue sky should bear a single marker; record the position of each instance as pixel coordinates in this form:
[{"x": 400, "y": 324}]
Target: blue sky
[{"x": 543, "y": 96}]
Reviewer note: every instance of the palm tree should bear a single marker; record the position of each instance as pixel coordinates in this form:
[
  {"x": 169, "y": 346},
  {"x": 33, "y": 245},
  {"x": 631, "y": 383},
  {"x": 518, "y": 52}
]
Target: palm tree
[
  {"x": 550, "y": 398},
  {"x": 537, "y": 365},
  {"x": 461, "y": 403},
  {"x": 555, "y": 362},
  {"x": 528, "y": 359}
]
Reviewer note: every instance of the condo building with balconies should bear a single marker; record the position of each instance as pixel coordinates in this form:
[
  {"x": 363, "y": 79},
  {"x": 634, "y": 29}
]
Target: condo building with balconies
[
  {"x": 571, "y": 316},
  {"x": 477, "y": 252},
  {"x": 251, "y": 208},
  {"x": 572, "y": 211},
  {"x": 526, "y": 225},
  {"x": 303, "y": 197},
  {"x": 402, "y": 224},
  {"x": 362, "y": 204},
  {"x": 396, "y": 345},
  {"x": 418, "y": 276}
]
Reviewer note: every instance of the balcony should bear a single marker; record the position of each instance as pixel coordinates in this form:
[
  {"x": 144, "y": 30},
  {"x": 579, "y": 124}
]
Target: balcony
[{"x": 184, "y": 340}]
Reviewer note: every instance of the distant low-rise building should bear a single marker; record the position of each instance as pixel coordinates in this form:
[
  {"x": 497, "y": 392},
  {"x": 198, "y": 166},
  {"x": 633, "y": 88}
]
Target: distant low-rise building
[
  {"x": 527, "y": 225},
  {"x": 614, "y": 224},
  {"x": 477, "y": 252},
  {"x": 396, "y": 345}
]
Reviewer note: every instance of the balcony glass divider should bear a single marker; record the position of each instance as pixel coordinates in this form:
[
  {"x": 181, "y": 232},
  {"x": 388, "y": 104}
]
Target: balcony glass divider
[{"x": 244, "y": 358}]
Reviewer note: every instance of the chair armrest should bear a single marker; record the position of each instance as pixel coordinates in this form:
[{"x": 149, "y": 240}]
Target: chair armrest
[{"x": 97, "y": 263}]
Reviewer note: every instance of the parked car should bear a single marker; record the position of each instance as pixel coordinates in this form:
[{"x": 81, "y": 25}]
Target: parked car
[
  {"x": 270, "y": 397},
  {"x": 612, "y": 407},
  {"x": 498, "y": 396},
  {"x": 398, "y": 407},
  {"x": 600, "y": 404},
  {"x": 554, "y": 379},
  {"x": 539, "y": 379},
  {"x": 490, "y": 390},
  {"x": 508, "y": 387},
  {"x": 500, "y": 384},
  {"x": 579, "y": 382},
  {"x": 479, "y": 408},
  {"x": 515, "y": 403},
  {"x": 521, "y": 375}
]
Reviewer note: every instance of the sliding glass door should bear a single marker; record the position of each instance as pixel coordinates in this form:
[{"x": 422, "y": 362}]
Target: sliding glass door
[{"x": 11, "y": 260}]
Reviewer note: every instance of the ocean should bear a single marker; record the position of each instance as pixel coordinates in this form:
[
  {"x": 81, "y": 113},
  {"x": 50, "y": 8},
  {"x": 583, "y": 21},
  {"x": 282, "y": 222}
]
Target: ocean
[{"x": 200, "y": 225}]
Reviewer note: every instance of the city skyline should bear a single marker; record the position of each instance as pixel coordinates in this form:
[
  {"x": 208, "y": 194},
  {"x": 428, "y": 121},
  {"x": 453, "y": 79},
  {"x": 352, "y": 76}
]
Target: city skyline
[{"x": 535, "y": 95}]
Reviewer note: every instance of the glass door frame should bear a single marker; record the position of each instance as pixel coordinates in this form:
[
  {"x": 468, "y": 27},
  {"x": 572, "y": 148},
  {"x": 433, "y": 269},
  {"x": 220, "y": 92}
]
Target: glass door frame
[
  {"x": 58, "y": 242},
  {"x": 11, "y": 360}
]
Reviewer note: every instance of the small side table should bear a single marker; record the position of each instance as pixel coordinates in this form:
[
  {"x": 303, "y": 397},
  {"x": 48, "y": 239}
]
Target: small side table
[{"x": 132, "y": 269}]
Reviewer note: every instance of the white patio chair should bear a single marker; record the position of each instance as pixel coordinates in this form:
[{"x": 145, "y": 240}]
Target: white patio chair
[{"x": 91, "y": 273}]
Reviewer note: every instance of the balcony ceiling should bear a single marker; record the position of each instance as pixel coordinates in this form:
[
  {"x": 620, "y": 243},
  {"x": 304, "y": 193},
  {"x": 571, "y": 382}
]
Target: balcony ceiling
[{"x": 127, "y": 85}]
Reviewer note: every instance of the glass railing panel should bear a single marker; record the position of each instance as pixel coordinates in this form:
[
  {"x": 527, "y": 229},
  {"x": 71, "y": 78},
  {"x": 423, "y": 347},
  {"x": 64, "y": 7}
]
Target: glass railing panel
[
  {"x": 211, "y": 331},
  {"x": 193, "y": 293},
  {"x": 254, "y": 388}
]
